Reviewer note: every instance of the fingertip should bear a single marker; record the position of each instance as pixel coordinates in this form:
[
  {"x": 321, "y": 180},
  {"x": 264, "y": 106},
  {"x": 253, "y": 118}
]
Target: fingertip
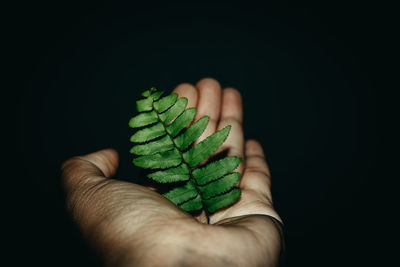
[
  {"x": 106, "y": 160},
  {"x": 208, "y": 82},
  {"x": 232, "y": 92},
  {"x": 112, "y": 152},
  {"x": 209, "y": 103},
  {"x": 254, "y": 148},
  {"x": 189, "y": 91},
  {"x": 252, "y": 142},
  {"x": 210, "y": 91}
]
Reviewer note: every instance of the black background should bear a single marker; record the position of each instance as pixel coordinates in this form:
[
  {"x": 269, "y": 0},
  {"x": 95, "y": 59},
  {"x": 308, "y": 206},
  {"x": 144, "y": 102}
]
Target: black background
[{"x": 306, "y": 74}]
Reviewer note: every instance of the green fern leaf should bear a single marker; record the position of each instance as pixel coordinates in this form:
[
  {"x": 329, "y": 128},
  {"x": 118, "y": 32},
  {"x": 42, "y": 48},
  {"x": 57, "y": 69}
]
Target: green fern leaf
[
  {"x": 143, "y": 119},
  {"x": 182, "y": 194},
  {"x": 149, "y": 133},
  {"x": 162, "y": 160},
  {"x": 205, "y": 148},
  {"x": 193, "y": 204},
  {"x": 174, "y": 111},
  {"x": 192, "y": 133},
  {"x": 147, "y": 93},
  {"x": 156, "y": 95},
  {"x": 177, "y": 125},
  {"x": 176, "y": 174},
  {"x": 220, "y": 186},
  {"x": 166, "y": 102},
  {"x": 160, "y": 145},
  {"x": 215, "y": 170},
  {"x": 165, "y": 144},
  {"x": 144, "y": 104},
  {"x": 222, "y": 201}
]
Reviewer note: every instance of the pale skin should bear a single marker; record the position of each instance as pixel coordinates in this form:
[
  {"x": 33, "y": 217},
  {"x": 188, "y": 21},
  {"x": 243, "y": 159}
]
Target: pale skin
[{"x": 132, "y": 225}]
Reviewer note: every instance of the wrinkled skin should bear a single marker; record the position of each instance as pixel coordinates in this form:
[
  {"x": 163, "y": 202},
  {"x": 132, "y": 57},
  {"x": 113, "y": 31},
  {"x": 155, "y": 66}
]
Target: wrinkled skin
[{"x": 132, "y": 225}]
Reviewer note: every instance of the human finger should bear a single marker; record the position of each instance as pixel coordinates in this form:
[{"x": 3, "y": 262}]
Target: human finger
[
  {"x": 256, "y": 175},
  {"x": 209, "y": 104},
  {"x": 98, "y": 165},
  {"x": 189, "y": 91},
  {"x": 232, "y": 114}
]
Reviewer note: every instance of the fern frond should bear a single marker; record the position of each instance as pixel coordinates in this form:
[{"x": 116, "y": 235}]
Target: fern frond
[{"x": 165, "y": 144}]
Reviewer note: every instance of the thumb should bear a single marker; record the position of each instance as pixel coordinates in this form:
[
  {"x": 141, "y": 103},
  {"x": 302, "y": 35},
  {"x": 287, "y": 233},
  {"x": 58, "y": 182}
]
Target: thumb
[{"x": 98, "y": 165}]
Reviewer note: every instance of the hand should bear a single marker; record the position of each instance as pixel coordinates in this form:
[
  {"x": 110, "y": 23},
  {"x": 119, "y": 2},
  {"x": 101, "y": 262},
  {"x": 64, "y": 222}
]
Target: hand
[{"x": 132, "y": 225}]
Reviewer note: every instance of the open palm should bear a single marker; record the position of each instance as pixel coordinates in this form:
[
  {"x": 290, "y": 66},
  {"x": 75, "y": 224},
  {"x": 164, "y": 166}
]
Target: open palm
[{"x": 131, "y": 225}]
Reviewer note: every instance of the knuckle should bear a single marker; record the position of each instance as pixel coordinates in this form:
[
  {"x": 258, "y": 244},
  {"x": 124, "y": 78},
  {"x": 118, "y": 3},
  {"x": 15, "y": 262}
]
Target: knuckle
[
  {"x": 257, "y": 158},
  {"x": 234, "y": 151},
  {"x": 258, "y": 163},
  {"x": 67, "y": 163},
  {"x": 257, "y": 171},
  {"x": 231, "y": 120}
]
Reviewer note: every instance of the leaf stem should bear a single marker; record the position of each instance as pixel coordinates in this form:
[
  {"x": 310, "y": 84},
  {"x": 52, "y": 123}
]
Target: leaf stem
[{"x": 184, "y": 162}]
